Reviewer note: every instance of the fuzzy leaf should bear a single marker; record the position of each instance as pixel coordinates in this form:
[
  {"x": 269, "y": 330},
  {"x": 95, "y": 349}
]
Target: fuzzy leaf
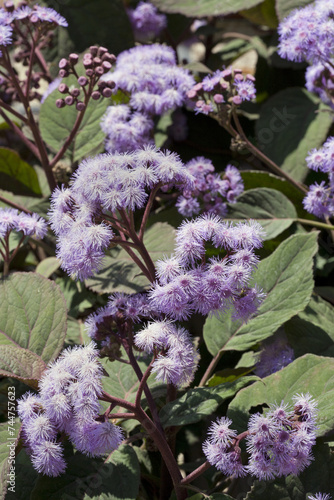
[
  {"x": 291, "y": 123},
  {"x": 48, "y": 266},
  {"x": 32, "y": 318},
  {"x": 200, "y": 402},
  {"x": 269, "y": 207},
  {"x": 286, "y": 277},
  {"x": 201, "y": 9}
]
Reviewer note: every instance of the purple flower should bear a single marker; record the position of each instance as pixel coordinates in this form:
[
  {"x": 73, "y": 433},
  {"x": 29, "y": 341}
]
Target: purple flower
[
  {"x": 48, "y": 458},
  {"x": 5, "y": 35},
  {"x": 246, "y": 89},
  {"x": 146, "y": 22},
  {"x": 320, "y": 496}
]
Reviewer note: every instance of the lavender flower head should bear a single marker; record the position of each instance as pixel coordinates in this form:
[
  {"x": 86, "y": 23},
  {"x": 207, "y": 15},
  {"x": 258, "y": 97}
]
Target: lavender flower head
[
  {"x": 320, "y": 198},
  {"x": 149, "y": 73},
  {"x": 28, "y": 224},
  {"x": 67, "y": 402},
  {"x": 146, "y": 22},
  {"x": 278, "y": 443},
  {"x": 177, "y": 361},
  {"x": 209, "y": 189},
  {"x": 104, "y": 184},
  {"x": 188, "y": 283}
]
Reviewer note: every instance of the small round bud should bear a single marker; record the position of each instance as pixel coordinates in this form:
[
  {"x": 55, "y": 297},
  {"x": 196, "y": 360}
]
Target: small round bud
[
  {"x": 111, "y": 84},
  {"x": 60, "y": 103},
  {"x": 99, "y": 70},
  {"x": 93, "y": 50},
  {"x": 75, "y": 92},
  {"x": 191, "y": 94},
  {"x": 106, "y": 65},
  {"x": 102, "y": 84},
  {"x": 9, "y": 6},
  {"x": 73, "y": 58},
  {"x": 227, "y": 74},
  {"x": 106, "y": 92},
  {"x": 197, "y": 87},
  {"x": 97, "y": 61},
  {"x": 108, "y": 57},
  {"x": 250, "y": 77},
  {"x": 82, "y": 81},
  {"x": 237, "y": 71},
  {"x": 237, "y": 100},
  {"x": 101, "y": 51},
  {"x": 63, "y": 63},
  {"x": 80, "y": 106},
  {"x": 224, "y": 85},
  {"x": 238, "y": 77},
  {"x": 218, "y": 98},
  {"x": 63, "y": 88},
  {"x": 63, "y": 73},
  {"x": 69, "y": 100},
  {"x": 88, "y": 63},
  {"x": 96, "y": 95},
  {"x": 89, "y": 72}
]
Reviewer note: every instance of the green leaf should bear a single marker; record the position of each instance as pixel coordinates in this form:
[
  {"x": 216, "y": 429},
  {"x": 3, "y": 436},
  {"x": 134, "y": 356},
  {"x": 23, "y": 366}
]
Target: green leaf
[
  {"x": 117, "y": 478},
  {"x": 269, "y": 207},
  {"x": 284, "y": 7},
  {"x": 308, "y": 374},
  {"x": 291, "y": 123},
  {"x": 120, "y": 274},
  {"x": 313, "y": 329},
  {"x": 32, "y": 318},
  {"x": 56, "y": 125},
  {"x": 200, "y": 402},
  {"x": 286, "y": 277},
  {"x": 77, "y": 297},
  {"x": 263, "y": 14},
  {"x": 201, "y": 9},
  {"x": 16, "y": 175},
  {"x": 9, "y": 434},
  {"x": 48, "y": 266}
]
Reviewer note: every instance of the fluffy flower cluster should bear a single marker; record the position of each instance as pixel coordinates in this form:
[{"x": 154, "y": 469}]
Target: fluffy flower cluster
[
  {"x": 177, "y": 360},
  {"x": 278, "y": 444},
  {"x": 103, "y": 184},
  {"x": 150, "y": 74},
  {"x": 320, "y": 80},
  {"x": 126, "y": 130},
  {"x": 29, "y": 225},
  {"x": 210, "y": 188},
  {"x": 36, "y": 15},
  {"x": 223, "y": 86},
  {"x": 187, "y": 283},
  {"x": 67, "y": 402},
  {"x": 146, "y": 22},
  {"x": 307, "y": 34},
  {"x": 320, "y": 198},
  {"x": 275, "y": 355}
]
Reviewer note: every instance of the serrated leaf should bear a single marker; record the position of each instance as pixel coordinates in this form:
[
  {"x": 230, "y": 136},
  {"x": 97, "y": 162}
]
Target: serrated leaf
[
  {"x": 309, "y": 374},
  {"x": 200, "y": 402},
  {"x": 313, "y": 329},
  {"x": 32, "y": 318},
  {"x": 21, "y": 363},
  {"x": 291, "y": 123},
  {"x": 286, "y": 277},
  {"x": 9, "y": 434},
  {"x": 117, "y": 478},
  {"x": 284, "y": 7},
  {"x": 269, "y": 207},
  {"x": 120, "y": 274},
  {"x": 201, "y": 9},
  {"x": 56, "y": 125},
  {"x": 17, "y": 175}
]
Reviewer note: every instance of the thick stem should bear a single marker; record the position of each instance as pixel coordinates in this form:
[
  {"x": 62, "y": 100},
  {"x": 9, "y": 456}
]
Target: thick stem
[
  {"x": 147, "y": 210},
  {"x": 210, "y": 369},
  {"x": 30, "y": 145},
  {"x": 197, "y": 472},
  {"x": 13, "y": 111}
]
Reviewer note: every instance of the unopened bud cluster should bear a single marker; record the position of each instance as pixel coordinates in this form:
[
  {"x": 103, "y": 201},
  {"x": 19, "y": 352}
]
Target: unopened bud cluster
[
  {"x": 222, "y": 88},
  {"x": 97, "y": 61}
]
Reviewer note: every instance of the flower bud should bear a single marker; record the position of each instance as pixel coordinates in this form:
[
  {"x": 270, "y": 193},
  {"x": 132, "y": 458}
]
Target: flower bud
[
  {"x": 89, "y": 72},
  {"x": 218, "y": 98},
  {"x": 63, "y": 63},
  {"x": 101, "y": 51},
  {"x": 63, "y": 88},
  {"x": 97, "y": 61},
  {"x": 99, "y": 70},
  {"x": 69, "y": 100},
  {"x": 93, "y": 50},
  {"x": 73, "y": 58},
  {"x": 106, "y": 92},
  {"x": 75, "y": 92},
  {"x": 80, "y": 106},
  {"x": 106, "y": 65},
  {"x": 60, "y": 103},
  {"x": 63, "y": 73},
  {"x": 96, "y": 95},
  {"x": 82, "y": 81},
  {"x": 237, "y": 100}
]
